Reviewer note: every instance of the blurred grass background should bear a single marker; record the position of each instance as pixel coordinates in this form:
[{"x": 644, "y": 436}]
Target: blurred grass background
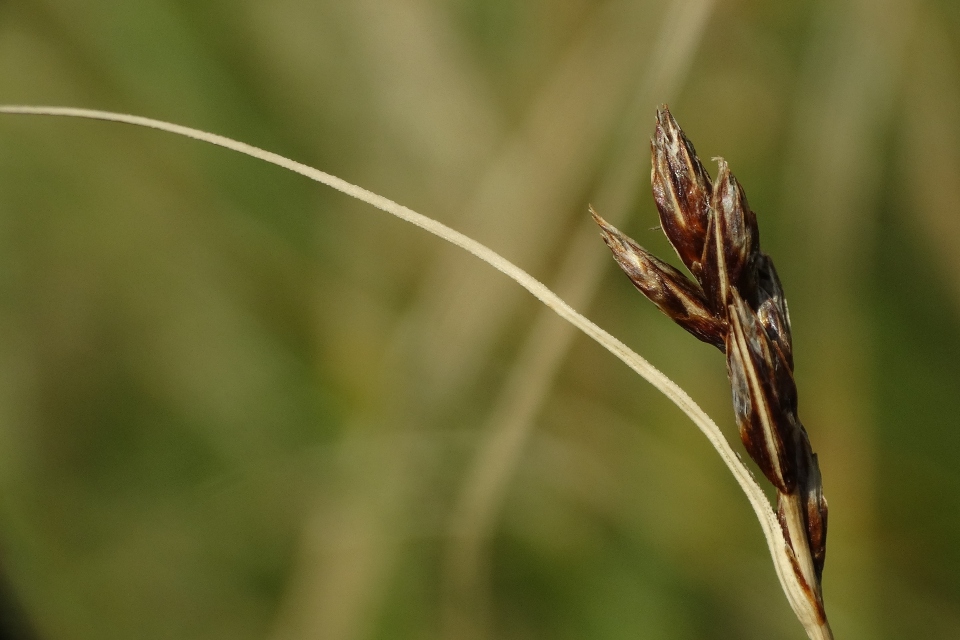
[{"x": 235, "y": 404}]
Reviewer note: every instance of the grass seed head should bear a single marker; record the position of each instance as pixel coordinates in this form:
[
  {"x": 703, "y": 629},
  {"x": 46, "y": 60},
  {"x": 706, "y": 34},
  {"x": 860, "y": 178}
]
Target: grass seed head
[{"x": 735, "y": 301}]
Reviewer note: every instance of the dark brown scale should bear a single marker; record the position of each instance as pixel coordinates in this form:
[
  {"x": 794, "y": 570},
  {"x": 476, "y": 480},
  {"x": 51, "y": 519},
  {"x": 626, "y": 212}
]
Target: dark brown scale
[
  {"x": 711, "y": 277},
  {"x": 681, "y": 190},
  {"x": 776, "y": 329},
  {"x": 757, "y": 360},
  {"x": 815, "y": 510},
  {"x": 737, "y": 226},
  {"x": 772, "y": 305},
  {"x": 748, "y": 421},
  {"x": 673, "y": 293}
]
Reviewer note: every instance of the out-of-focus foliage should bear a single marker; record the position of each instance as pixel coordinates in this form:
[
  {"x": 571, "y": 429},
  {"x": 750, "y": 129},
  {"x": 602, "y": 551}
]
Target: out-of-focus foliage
[{"x": 234, "y": 404}]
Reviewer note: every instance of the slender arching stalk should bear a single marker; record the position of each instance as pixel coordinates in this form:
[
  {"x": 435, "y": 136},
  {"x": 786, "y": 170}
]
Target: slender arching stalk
[{"x": 768, "y": 520}]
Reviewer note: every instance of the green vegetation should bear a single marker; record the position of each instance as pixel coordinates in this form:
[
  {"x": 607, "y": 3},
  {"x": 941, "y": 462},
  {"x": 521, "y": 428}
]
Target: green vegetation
[{"x": 235, "y": 404}]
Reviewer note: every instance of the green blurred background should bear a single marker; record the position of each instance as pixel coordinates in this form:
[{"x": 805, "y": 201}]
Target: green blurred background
[{"x": 236, "y": 404}]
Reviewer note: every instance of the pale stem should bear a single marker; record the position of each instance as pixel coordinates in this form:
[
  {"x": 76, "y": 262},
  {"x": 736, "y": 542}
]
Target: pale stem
[{"x": 768, "y": 522}]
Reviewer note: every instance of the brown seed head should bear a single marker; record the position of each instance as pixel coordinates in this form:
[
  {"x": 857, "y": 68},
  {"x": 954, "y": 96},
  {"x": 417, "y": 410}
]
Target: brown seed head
[{"x": 736, "y": 303}]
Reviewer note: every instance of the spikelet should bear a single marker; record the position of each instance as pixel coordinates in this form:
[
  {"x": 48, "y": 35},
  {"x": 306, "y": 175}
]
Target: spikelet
[{"x": 735, "y": 302}]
